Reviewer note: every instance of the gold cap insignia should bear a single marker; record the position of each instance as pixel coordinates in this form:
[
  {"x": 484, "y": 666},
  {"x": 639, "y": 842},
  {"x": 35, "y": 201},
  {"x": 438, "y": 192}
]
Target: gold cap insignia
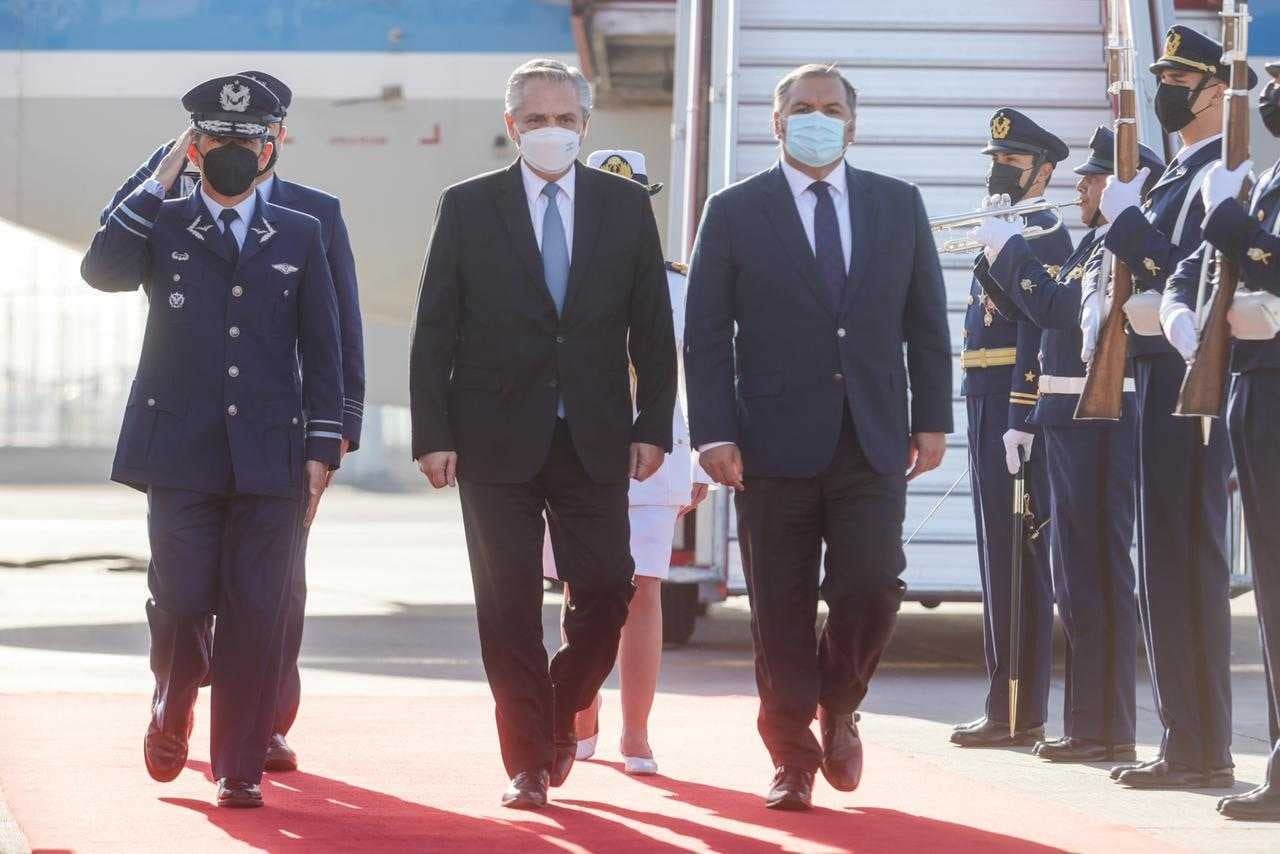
[
  {"x": 1053, "y": 270},
  {"x": 1260, "y": 255},
  {"x": 1028, "y": 285},
  {"x": 1172, "y": 43},
  {"x": 618, "y": 166},
  {"x": 1000, "y": 126}
]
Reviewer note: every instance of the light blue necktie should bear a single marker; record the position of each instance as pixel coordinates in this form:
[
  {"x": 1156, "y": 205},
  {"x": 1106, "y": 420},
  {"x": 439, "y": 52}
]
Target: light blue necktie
[
  {"x": 555, "y": 257},
  {"x": 555, "y": 251}
]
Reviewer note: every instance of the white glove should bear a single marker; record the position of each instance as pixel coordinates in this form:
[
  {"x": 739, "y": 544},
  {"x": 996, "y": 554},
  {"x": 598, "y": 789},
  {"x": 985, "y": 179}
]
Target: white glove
[
  {"x": 1180, "y": 328},
  {"x": 995, "y": 231},
  {"x": 1090, "y": 325},
  {"x": 1221, "y": 183},
  {"x": 1013, "y": 440},
  {"x": 1119, "y": 195}
]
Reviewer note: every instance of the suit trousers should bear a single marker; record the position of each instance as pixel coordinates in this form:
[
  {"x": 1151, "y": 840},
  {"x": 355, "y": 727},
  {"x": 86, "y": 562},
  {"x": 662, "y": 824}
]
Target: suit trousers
[
  {"x": 992, "y": 489},
  {"x": 1253, "y": 415},
  {"x": 290, "y": 694},
  {"x": 590, "y": 533},
  {"x": 783, "y": 524},
  {"x": 233, "y": 555},
  {"x": 1091, "y": 476},
  {"x": 1183, "y": 575}
]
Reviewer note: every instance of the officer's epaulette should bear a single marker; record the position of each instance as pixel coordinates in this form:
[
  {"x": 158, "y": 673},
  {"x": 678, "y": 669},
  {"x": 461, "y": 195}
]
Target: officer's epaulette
[{"x": 677, "y": 267}]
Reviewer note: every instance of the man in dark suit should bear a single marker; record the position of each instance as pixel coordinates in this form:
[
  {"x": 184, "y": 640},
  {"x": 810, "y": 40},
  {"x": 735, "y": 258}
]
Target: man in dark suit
[
  {"x": 543, "y": 282},
  {"x": 337, "y": 250},
  {"x": 807, "y": 282}
]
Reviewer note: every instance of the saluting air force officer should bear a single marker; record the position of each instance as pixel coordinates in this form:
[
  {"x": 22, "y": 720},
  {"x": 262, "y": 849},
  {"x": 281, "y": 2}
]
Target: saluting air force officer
[
  {"x": 1251, "y": 238},
  {"x": 1091, "y": 467},
  {"x": 337, "y": 248},
  {"x": 215, "y": 430},
  {"x": 1183, "y": 578},
  {"x": 999, "y": 386}
]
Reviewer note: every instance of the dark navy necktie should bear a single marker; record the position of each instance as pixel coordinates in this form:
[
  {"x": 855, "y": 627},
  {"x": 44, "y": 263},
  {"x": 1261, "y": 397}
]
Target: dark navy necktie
[
  {"x": 228, "y": 216},
  {"x": 826, "y": 244}
]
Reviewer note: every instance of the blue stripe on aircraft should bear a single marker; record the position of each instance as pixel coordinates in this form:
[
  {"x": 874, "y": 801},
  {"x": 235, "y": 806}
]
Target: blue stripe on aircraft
[{"x": 446, "y": 26}]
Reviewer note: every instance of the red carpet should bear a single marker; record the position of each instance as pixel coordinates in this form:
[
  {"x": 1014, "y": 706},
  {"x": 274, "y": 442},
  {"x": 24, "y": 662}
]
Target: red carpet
[{"x": 422, "y": 774}]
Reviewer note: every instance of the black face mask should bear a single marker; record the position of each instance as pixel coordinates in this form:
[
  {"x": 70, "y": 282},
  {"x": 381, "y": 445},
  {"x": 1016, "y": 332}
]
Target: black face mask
[
  {"x": 1173, "y": 104},
  {"x": 230, "y": 169},
  {"x": 1006, "y": 179},
  {"x": 1269, "y": 108}
]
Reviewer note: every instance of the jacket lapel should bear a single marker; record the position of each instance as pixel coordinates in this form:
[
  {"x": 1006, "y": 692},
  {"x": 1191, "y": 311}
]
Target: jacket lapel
[
  {"x": 586, "y": 225},
  {"x": 862, "y": 222},
  {"x": 513, "y": 208},
  {"x": 201, "y": 226},
  {"x": 781, "y": 210},
  {"x": 261, "y": 230}
]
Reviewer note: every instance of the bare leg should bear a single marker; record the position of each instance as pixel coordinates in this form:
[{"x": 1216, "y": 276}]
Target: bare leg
[{"x": 639, "y": 657}]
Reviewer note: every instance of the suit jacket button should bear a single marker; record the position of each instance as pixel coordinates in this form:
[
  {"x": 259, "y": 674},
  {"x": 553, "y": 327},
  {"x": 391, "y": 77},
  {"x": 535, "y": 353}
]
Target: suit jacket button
[
  {"x": 294, "y": 421},
  {"x": 233, "y": 409},
  {"x": 838, "y": 378},
  {"x": 553, "y": 383},
  {"x": 559, "y": 339},
  {"x": 237, "y": 291},
  {"x": 151, "y": 401},
  {"x": 233, "y": 371},
  {"x": 234, "y": 332},
  {"x": 840, "y": 332}
]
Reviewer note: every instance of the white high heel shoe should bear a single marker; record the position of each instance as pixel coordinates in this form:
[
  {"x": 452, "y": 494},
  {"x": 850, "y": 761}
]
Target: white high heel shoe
[
  {"x": 639, "y": 766},
  {"x": 587, "y": 746}
]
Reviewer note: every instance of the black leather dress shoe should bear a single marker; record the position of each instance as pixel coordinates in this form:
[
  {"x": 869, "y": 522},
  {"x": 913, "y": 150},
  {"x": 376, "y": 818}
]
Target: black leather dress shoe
[
  {"x": 562, "y": 762},
  {"x": 1171, "y": 775},
  {"x": 1083, "y": 750},
  {"x": 239, "y": 794},
  {"x": 841, "y": 750},
  {"x": 528, "y": 790},
  {"x": 1260, "y": 804},
  {"x": 1051, "y": 742},
  {"x": 792, "y": 789},
  {"x": 1129, "y": 766},
  {"x": 970, "y": 725},
  {"x": 280, "y": 756},
  {"x": 989, "y": 733},
  {"x": 165, "y": 754}
]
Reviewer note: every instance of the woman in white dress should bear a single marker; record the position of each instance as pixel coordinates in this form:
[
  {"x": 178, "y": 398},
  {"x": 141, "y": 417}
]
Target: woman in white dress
[{"x": 656, "y": 505}]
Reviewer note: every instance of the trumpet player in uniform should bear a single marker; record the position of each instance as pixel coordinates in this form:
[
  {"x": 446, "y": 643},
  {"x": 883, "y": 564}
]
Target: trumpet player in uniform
[
  {"x": 999, "y": 387},
  {"x": 1091, "y": 467},
  {"x": 1249, "y": 237},
  {"x": 1183, "y": 576}
]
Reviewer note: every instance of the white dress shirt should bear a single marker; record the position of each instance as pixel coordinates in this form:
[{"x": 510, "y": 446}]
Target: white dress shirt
[
  {"x": 807, "y": 204},
  {"x": 267, "y": 187},
  {"x": 538, "y": 203},
  {"x": 240, "y": 227}
]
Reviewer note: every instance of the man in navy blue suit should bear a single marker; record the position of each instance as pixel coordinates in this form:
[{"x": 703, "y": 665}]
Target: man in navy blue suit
[
  {"x": 224, "y": 430},
  {"x": 337, "y": 246},
  {"x": 807, "y": 282}
]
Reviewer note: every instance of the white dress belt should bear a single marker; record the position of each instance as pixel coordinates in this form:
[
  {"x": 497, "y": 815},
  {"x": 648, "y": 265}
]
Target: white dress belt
[{"x": 1071, "y": 385}]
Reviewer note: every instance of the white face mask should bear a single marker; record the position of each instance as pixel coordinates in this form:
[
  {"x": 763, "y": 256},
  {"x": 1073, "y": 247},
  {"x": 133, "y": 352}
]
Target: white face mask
[
  {"x": 550, "y": 149},
  {"x": 814, "y": 139}
]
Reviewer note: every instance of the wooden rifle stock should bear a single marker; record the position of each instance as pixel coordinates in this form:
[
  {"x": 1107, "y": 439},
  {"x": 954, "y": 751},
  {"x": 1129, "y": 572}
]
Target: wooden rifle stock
[
  {"x": 1204, "y": 388},
  {"x": 1103, "y": 393}
]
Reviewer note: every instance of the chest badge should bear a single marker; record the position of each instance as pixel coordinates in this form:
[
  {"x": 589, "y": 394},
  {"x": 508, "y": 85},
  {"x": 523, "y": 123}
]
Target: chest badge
[
  {"x": 285, "y": 268},
  {"x": 1151, "y": 266},
  {"x": 1028, "y": 285},
  {"x": 177, "y": 300},
  {"x": 197, "y": 230},
  {"x": 180, "y": 256},
  {"x": 265, "y": 233},
  {"x": 1076, "y": 273},
  {"x": 1259, "y": 255},
  {"x": 1053, "y": 270}
]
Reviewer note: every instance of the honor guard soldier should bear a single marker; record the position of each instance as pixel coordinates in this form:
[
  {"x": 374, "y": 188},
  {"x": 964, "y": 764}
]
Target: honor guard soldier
[
  {"x": 337, "y": 246},
  {"x": 230, "y": 437},
  {"x": 1251, "y": 239},
  {"x": 1183, "y": 580},
  {"x": 999, "y": 386},
  {"x": 1092, "y": 470}
]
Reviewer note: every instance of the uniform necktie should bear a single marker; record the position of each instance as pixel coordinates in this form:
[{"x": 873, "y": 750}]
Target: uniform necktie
[
  {"x": 826, "y": 244},
  {"x": 555, "y": 251},
  {"x": 228, "y": 216}
]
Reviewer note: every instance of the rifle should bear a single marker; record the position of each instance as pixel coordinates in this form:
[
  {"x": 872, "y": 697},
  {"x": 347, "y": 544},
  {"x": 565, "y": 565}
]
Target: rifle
[
  {"x": 1204, "y": 388},
  {"x": 1103, "y": 394}
]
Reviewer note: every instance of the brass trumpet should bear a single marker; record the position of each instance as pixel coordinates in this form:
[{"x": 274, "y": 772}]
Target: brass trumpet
[{"x": 975, "y": 218}]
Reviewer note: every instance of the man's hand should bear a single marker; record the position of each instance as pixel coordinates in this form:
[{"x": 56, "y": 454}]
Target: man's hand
[
  {"x": 924, "y": 453},
  {"x": 171, "y": 165},
  {"x": 342, "y": 454},
  {"x": 645, "y": 460},
  {"x": 440, "y": 467},
  {"x": 1180, "y": 329},
  {"x": 1221, "y": 183},
  {"x": 1118, "y": 196},
  {"x": 317, "y": 480},
  {"x": 995, "y": 231},
  {"x": 724, "y": 464},
  {"x": 696, "y": 496},
  {"x": 1013, "y": 440}
]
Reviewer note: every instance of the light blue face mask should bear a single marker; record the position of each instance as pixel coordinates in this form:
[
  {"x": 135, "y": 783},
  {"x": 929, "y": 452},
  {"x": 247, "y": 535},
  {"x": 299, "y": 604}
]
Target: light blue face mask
[{"x": 814, "y": 139}]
